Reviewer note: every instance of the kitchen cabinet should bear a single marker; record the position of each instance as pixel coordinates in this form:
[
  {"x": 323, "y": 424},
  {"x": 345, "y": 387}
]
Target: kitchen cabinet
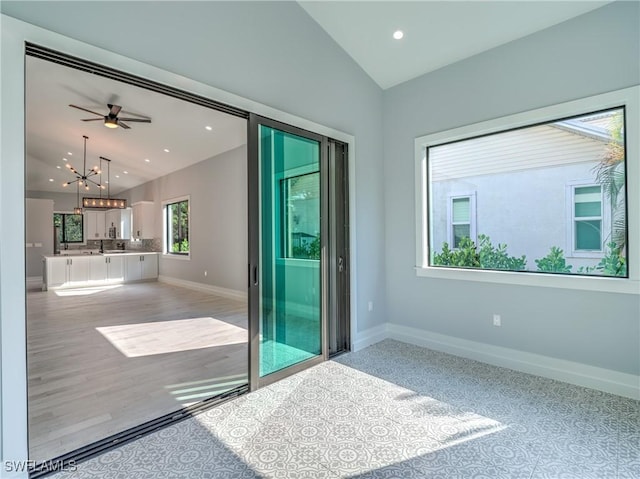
[
  {"x": 143, "y": 221},
  {"x": 141, "y": 266},
  {"x": 121, "y": 221},
  {"x": 106, "y": 268},
  {"x": 96, "y": 225},
  {"x": 66, "y": 271}
]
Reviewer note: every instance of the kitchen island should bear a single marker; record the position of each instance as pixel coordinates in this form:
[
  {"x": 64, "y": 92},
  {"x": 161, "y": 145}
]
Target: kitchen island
[{"x": 78, "y": 270}]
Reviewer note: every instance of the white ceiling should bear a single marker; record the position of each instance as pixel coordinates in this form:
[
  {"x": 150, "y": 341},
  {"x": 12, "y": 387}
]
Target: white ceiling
[
  {"x": 436, "y": 33},
  {"x": 54, "y": 129}
]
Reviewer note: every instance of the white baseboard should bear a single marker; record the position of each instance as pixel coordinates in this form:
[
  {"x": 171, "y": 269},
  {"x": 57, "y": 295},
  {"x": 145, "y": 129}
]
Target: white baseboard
[
  {"x": 370, "y": 336},
  {"x": 206, "y": 288},
  {"x": 614, "y": 382},
  {"x": 34, "y": 280}
]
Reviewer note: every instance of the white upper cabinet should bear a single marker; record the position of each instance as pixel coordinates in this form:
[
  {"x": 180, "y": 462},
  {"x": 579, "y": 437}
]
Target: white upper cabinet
[
  {"x": 96, "y": 225},
  {"x": 120, "y": 221},
  {"x": 143, "y": 223}
]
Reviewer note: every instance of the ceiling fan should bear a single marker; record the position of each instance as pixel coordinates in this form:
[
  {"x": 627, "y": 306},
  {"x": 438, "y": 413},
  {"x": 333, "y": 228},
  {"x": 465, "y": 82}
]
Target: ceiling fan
[{"x": 111, "y": 119}]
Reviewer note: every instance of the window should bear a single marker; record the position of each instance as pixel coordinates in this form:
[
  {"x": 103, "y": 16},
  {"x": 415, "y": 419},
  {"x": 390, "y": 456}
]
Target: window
[
  {"x": 461, "y": 219},
  {"x": 69, "y": 227},
  {"x": 587, "y": 218},
  {"x": 528, "y": 213},
  {"x": 176, "y": 226},
  {"x": 301, "y": 216}
]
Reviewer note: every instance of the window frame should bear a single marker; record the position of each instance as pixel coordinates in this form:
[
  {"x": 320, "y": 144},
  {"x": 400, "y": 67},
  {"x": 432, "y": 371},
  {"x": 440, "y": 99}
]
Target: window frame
[
  {"x": 82, "y": 229},
  {"x": 629, "y": 98},
  {"x": 605, "y": 217},
  {"x": 167, "y": 253}
]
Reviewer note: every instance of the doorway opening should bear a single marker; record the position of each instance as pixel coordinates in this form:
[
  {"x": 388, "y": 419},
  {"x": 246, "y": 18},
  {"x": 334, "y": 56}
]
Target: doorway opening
[
  {"x": 117, "y": 349},
  {"x": 136, "y": 315}
]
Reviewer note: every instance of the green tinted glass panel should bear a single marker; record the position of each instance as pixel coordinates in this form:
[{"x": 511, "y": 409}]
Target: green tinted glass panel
[
  {"x": 459, "y": 232},
  {"x": 588, "y": 201},
  {"x": 301, "y": 222},
  {"x": 290, "y": 293},
  {"x": 584, "y": 210},
  {"x": 588, "y": 235},
  {"x": 460, "y": 210}
]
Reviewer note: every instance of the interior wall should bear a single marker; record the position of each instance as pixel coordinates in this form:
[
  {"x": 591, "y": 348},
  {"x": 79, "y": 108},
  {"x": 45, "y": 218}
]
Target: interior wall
[
  {"x": 269, "y": 52},
  {"x": 218, "y": 219},
  {"x": 591, "y": 54}
]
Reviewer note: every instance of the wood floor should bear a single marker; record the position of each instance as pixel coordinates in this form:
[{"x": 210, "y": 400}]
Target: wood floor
[{"x": 106, "y": 359}]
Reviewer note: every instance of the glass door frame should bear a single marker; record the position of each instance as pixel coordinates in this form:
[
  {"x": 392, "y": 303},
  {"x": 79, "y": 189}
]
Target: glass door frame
[{"x": 254, "y": 214}]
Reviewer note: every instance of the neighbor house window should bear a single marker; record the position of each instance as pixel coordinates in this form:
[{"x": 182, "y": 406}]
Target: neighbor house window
[
  {"x": 461, "y": 219},
  {"x": 176, "y": 226},
  {"x": 300, "y": 200},
  {"x": 69, "y": 227},
  {"x": 587, "y": 221},
  {"x": 528, "y": 212}
]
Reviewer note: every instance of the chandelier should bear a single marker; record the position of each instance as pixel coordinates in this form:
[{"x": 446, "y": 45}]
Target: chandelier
[{"x": 84, "y": 178}]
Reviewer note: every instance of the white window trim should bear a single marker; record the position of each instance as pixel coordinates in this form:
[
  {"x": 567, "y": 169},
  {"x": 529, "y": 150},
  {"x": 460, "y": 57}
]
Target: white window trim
[
  {"x": 570, "y": 223},
  {"x": 165, "y": 250},
  {"x": 629, "y": 98},
  {"x": 472, "y": 216}
]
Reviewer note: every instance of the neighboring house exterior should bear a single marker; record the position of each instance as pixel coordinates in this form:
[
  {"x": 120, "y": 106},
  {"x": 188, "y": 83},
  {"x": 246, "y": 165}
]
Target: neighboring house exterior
[{"x": 531, "y": 189}]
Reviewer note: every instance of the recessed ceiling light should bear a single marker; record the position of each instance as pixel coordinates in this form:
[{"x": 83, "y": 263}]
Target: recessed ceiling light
[
  {"x": 51, "y": 180},
  {"x": 398, "y": 34},
  {"x": 208, "y": 128},
  {"x": 69, "y": 153},
  {"x": 126, "y": 172},
  {"x": 107, "y": 182},
  {"x": 117, "y": 176},
  {"x": 64, "y": 159},
  {"x": 147, "y": 160},
  {"x": 58, "y": 166},
  {"x": 166, "y": 150}
]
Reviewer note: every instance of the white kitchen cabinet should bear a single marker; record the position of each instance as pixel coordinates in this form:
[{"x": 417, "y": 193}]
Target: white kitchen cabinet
[
  {"x": 67, "y": 271},
  {"x": 121, "y": 221},
  {"x": 115, "y": 269},
  {"x": 107, "y": 268},
  {"x": 56, "y": 271},
  {"x": 96, "y": 225},
  {"x": 143, "y": 221},
  {"x": 142, "y": 266}
]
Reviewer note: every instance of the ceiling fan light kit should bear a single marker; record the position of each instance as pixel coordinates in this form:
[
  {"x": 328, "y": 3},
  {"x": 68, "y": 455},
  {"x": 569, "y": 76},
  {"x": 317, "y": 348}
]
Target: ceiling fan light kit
[{"x": 111, "y": 119}]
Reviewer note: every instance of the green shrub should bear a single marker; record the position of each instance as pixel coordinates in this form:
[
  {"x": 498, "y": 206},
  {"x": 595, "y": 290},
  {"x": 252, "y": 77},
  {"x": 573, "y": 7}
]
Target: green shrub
[
  {"x": 497, "y": 258},
  {"x": 486, "y": 257},
  {"x": 612, "y": 264},
  {"x": 554, "y": 262}
]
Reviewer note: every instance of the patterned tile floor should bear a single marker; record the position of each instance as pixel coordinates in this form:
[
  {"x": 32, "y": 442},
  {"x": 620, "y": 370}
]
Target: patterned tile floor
[{"x": 394, "y": 411}]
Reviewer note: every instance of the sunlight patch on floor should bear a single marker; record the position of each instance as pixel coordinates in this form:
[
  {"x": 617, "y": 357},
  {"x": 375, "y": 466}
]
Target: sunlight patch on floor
[
  {"x": 85, "y": 291},
  {"x": 161, "y": 337}
]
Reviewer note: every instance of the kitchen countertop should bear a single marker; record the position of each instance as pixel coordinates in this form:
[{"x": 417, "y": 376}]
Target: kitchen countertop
[{"x": 106, "y": 253}]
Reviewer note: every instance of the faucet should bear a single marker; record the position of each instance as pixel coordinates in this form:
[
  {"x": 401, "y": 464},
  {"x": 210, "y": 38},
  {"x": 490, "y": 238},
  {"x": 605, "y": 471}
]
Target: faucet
[
  {"x": 101, "y": 247},
  {"x": 66, "y": 246}
]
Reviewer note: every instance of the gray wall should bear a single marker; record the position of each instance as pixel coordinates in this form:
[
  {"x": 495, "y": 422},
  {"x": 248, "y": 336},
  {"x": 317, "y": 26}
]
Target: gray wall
[
  {"x": 270, "y": 52},
  {"x": 594, "y": 53},
  {"x": 62, "y": 202},
  {"x": 218, "y": 221}
]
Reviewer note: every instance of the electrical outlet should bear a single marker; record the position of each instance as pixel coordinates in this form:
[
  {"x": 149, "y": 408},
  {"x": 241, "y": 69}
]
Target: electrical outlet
[
  {"x": 497, "y": 321},
  {"x": 205, "y": 272}
]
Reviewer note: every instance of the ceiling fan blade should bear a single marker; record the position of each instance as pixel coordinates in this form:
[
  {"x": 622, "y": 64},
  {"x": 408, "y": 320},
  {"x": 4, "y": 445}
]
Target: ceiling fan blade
[
  {"x": 93, "y": 119},
  {"x": 114, "y": 109},
  {"x": 139, "y": 120},
  {"x": 123, "y": 125},
  {"x": 84, "y": 109}
]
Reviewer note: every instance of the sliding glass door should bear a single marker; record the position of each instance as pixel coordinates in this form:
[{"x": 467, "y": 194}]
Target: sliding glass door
[{"x": 288, "y": 270}]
